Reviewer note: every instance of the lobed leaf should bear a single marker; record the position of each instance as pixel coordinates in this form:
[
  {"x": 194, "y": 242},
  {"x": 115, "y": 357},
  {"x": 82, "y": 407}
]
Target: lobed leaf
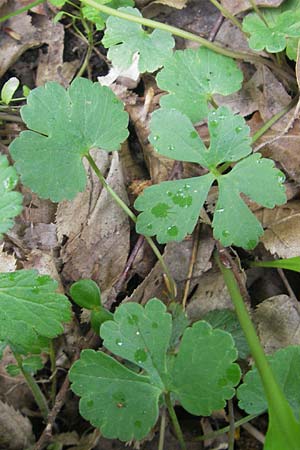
[
  {"x": 123, "y": 404},
  {"x": 200, "y": 74},
  {"x": 124, "y": 39},
  {"x": 204, "y": 374},
  {"x": 10, "y": 200},
  {"x": 170, "y": 210},
  {"x": 280, "y": 28},
  {"x": 31, "y": 309},
  {"x": 142, "y": 336},
  {"x": 65, "y": 125}
]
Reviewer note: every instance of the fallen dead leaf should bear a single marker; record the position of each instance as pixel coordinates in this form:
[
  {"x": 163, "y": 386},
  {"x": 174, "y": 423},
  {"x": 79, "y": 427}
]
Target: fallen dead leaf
[
  {"x": 46, "y": 264},
  {"x": 95, "y": 228},
  {"x": 237, "y": 6},
  {"x": 41, "y": 236},
  {"x": 278, "y": 322},
  {"x": 7, "y": 262},
  {"x": 15, "y": 429}
]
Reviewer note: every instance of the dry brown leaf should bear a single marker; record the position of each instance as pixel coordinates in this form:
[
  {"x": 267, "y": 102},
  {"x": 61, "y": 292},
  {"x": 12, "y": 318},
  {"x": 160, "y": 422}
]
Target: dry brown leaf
[
  {"x": 96, "y": 229},
  {"x": 7, "y": 262},
  {"x": 178, "y": 4},
  {"x": 15, "y": 429},
  {"x": 282, "y": 236},
  {"x": 210, "y": 294},
  {"x": 45, "y": 264},
  {"x": 278, "y": 322},
  {"x": 41, "y": 236},
  {"x": 177, "y": 257},
  {"x": 237, "y": 6}
]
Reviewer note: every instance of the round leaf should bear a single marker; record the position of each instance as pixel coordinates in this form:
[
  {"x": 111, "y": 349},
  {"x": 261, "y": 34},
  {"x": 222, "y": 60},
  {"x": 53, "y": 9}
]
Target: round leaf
[
  {"x": 65, "y": 125},
  {"x": 8, "y": 90},
  {"x": 204, "y": 374},
  {"x": 86, "y": 293}
]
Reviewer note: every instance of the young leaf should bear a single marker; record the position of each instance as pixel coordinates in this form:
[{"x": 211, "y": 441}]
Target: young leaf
[
  {"x": 65, "y": 125},
  {"x": 30, "y": 308},
  {"x": 204, "y": 373},
  {"x": 124, "y": 39},
  {"x": 170, "y": 210},
  {"x": 200, "y": 74},
  {"x": 99, "y": 18},
  {"x": 285, "y": 364},
  {"x": 10, "y": 201},
  {"x": 141, "y": 335},
  {"x": 287, "y": 263},
  {"x": 86, "y": 293},
  {"x": 123, "y": 404},
  {"x": 227, "y": 320},
  {"x": 8, "y": 90},
  {"x": 58, "y": 3},
  {"x": 280, "y": 25}
]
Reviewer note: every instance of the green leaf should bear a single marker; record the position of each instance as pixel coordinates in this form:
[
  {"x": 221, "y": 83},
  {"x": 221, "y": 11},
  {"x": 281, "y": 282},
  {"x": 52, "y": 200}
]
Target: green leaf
[
  {"x": 65, "y": 125},
  {"x": 100, "y": 18},
  {"x": 86, "y": 293},
  {"x": 204, "y": 374},
  {"x": 58, "y": 3},
  {"x": 141, "y": 335},
  {"x": 32, "y": 364},
  {"x": 123, "y": 404},
  {"x": 8, "y": 90},
  {"x": 199, "y": 75},
  {"x": 170, "y": 210},
  {"x": 13, "y": 370},
  {"x": 10, "y": 201},
  {"x": 30, "y": 308},
  {"x": 124, "y": 39},
  {"x": 227, "y": 320},
  {"x": 273, "y": 34},
  {"x": 180, "y": 322},
  {"x": 287, "y": 263},
  {"x": 285, "y": 364}
]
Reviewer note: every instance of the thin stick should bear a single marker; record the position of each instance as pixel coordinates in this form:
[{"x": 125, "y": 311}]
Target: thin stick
[
  {"x": 231, "y": 425},
  {"x": 21, "y": 10},
  {"x": 260, "y": 15},
  {"x": 191, "y": 265},
  {"x": 227, "y": 14},
  {"x": 224, "y": 430},
  {"x": 119, "y": 284}
]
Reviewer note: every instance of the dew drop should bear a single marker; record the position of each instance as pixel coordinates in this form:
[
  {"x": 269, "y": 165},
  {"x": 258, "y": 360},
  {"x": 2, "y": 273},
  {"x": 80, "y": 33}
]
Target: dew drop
[
  {"x": 155, "y": 138},
  {"x": 9, "y": 183},
  {"x": 214, "y": 123},
  {"x": 238, "y": 129},
  {"x": 138, "y": 424},
  {"x": 160, "y": 210},
  {"x": 220, "y": 210},
  {"x": 90, "y": 403},
  {"x": 169, "y": 193},
  {"x": 172, "y": 231},
  {"x": 149, "y": 226},
  {"x": 187, "y": 186},
  {"x": 171, "y": 147},
  {"x": 281, "y": 178},
  {"x": 195, "y": 191},
  {"x": 137, "y": 333},
  {"x": 119, "y": 342},
  {"x": 222, "y": 117},
  {"x": 251, "y": 244},
  {"x": 225, "y": 233},
  {"x": 133, "y": 319},
  {"x": 154, "y": 325},
  {"x": 140, "y": 356}
]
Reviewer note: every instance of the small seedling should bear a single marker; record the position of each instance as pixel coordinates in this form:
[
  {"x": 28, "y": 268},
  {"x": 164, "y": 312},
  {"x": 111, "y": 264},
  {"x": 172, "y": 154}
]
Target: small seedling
[{"x": 9, "y": 89}]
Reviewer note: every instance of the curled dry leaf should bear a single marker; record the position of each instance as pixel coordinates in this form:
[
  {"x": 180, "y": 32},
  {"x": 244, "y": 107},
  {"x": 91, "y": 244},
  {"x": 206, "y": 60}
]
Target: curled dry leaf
[
  {"x": 45, "y": 264},
  {"x": 15, "y": 429},
  {"x": 7, "y": 262},
  {"x": 96, "y": 229},
  {"x": 278, "y": 322},
  {"x": 237, "y": 6}
]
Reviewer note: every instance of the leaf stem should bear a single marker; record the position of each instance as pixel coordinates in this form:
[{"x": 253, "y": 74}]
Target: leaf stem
[
  {"x": 258, "y": 12},
  {"x": 21, "y": 10},
  {"x": 224, "y": 430},
  {"x": 255, "y": 59},
  {"x": 34, "y": 387},
  {"x": 227, "y": 14},
  {"x": 53, "y": 371},
  {"x": 174, "y": 420},
  {"x": 273, "y": 120},
  {"x": 122, "y": 204},
  {"x": 277, "y": 402},
  {"x": 162, "y": 430}
]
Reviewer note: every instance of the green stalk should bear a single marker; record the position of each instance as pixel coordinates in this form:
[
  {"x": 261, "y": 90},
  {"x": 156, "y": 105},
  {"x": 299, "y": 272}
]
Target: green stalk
[
  {"x": 266, "y": 126},
  {"x": 53, "y": 371},
  {"x": 227, "y": 14},
  {"x": 21, "y": 10},
  {"x": 260, "y": 15},
  {"x": 162, "y": 429},
  {"x": 34, "y": 387},
  {"x": 224, "y": 430},
  {"x": 119, "y": 201},
  {"x": 174, "y": 420},
  {"x": 282, "y": 413}
]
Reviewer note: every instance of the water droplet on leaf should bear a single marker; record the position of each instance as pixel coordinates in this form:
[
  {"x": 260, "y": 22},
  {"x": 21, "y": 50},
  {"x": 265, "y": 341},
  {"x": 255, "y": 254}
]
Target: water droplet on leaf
[
  {"x": 160, "y": 210},
  {"x": 155, "y": 138},
  {"x": 119, "y": 342},
  {"x": 225, "y": 233},
  {"x": 140, "y": 356},
  {"x": 238, "y": 129},
  {"x": 171, "y": 147},
  {"x": 133, "y": 319},
  {"x": 172, "y": 231},
  {"x": 193, "y": 134},
  {"x": 214, "y": 123},
  {"x": 138, "y": 424},
  {"x": 154, "y": 325}
]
